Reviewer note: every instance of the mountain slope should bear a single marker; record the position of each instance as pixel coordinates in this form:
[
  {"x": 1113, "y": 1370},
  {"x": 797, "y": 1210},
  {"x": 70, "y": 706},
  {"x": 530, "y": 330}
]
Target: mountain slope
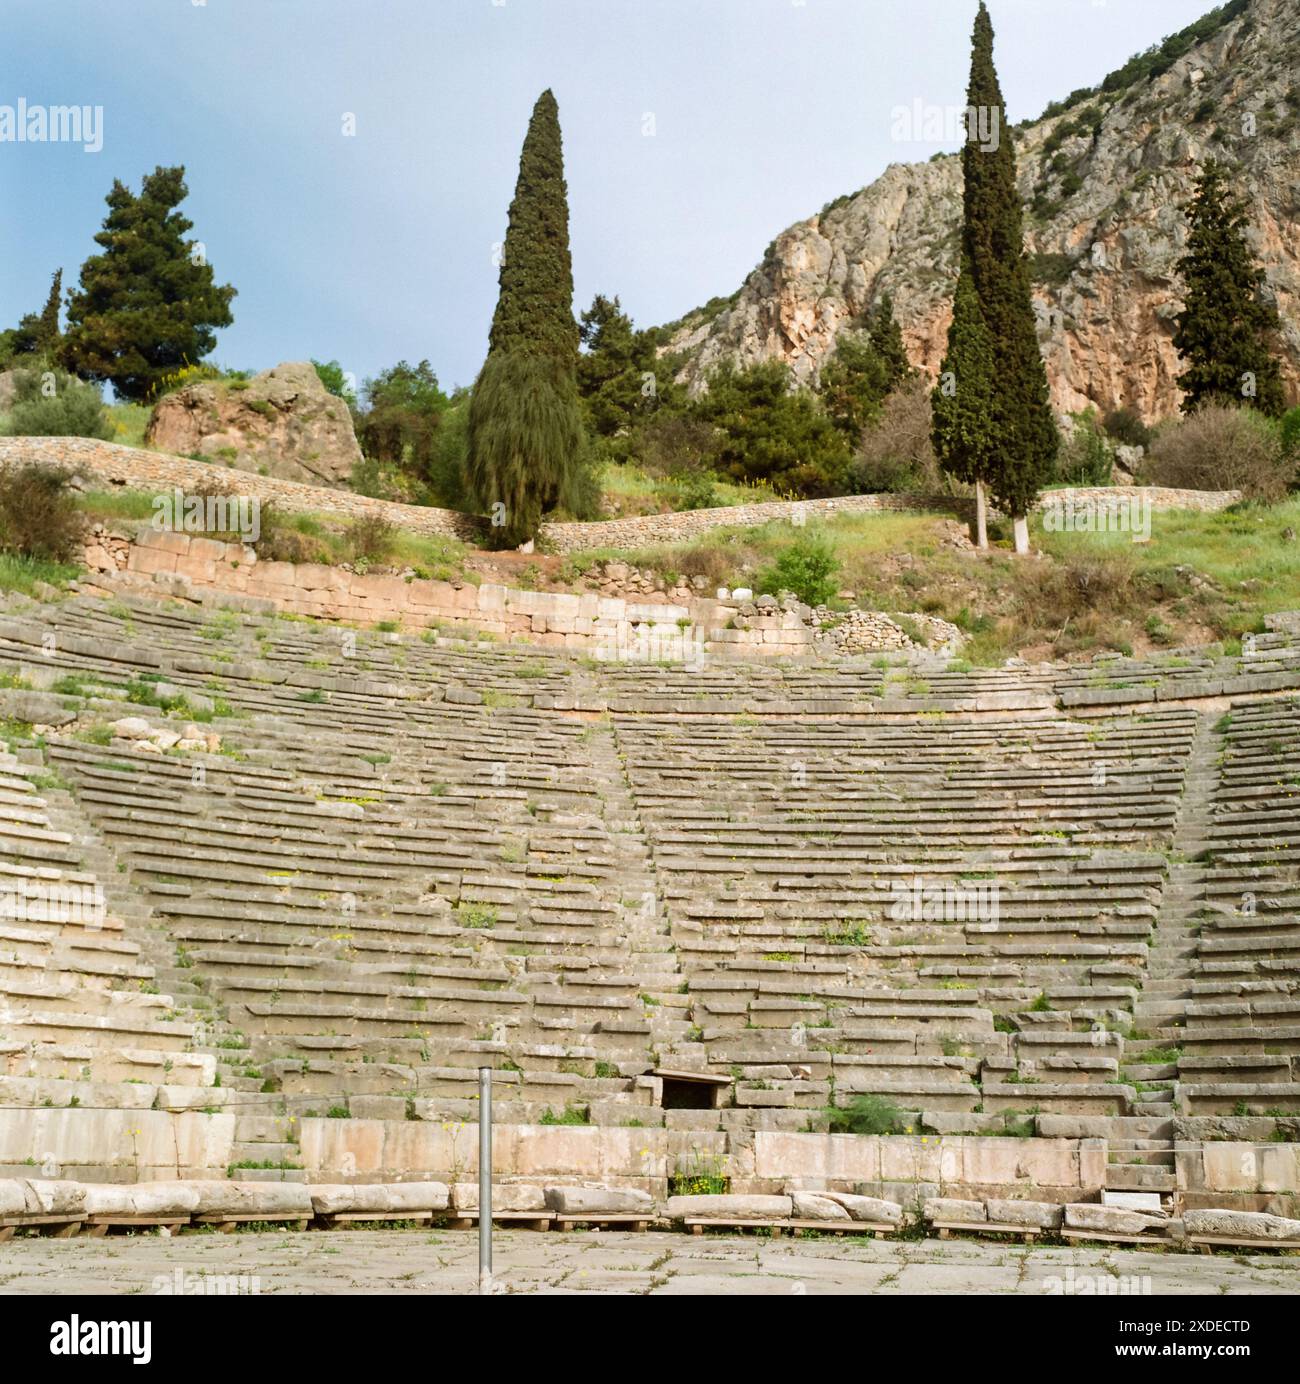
[{"x": 1106, "y": 179}]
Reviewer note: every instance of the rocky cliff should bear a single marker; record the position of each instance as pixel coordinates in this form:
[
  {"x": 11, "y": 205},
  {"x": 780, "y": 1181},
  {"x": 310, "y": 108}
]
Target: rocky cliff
[
  {"x": 281, "y": 423},
  {"x": 1103, "y": 181}
]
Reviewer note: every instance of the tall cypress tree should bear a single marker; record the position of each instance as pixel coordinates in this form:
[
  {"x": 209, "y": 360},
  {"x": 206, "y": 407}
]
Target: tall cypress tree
[
  {"x": 962, "y": 400},
  {"x": 1023, "y": 437},
  {"x": 148, "y": 305},
  {"x": 1224, "y": 330},
  {"x": 527, "y": 447},
  {"x": 887, "y": 341}
]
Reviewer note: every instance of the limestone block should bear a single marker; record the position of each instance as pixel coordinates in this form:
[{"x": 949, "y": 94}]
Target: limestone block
[
  {"x": 253, "y": 1198},
  {"x": 142, "y": 1198},
  {"x": 867, "y": 1208},
  {"x": 808, "y": 1206},
  {"x": 54, "y": 1198},
  {"x": 611, "y": 1200},
  {"x": 506, "y": 1196},
  {"x": 744, "y": 1208},
  {"x": 1090, "y": 1216},
  {"x": 1044, "y": 1214},
  {"x": 396, "y": 1197},
  {"x": 950, "y": 1209},
  {"x": 13, "y": 1198},
  {"x": 1250, "y": 1225}
]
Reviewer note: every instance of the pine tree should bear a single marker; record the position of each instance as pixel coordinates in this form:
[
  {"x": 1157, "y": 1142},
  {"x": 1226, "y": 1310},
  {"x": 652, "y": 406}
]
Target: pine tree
[
  {"x": 1023, "y": 437},
  {"x": 961, "y": 404},
  {"x": 887, "y": 341},
  {"x": 148, "y": 304},
  {"x": 527, "y": 447},
  {"x": 853, "y": 384},
  {"x": 622, "y": 380},
  {"x": 1226, "y": 326}
]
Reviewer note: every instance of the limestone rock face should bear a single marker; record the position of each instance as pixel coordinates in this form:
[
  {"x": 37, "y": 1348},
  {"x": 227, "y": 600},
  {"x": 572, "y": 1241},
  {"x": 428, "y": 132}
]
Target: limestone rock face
[
  {"x": 1106, "y": 297},
  {"x": 283, "y": 423}
]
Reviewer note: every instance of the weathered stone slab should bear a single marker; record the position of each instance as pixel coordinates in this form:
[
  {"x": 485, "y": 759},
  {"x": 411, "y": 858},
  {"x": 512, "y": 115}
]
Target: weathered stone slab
[
  {"x": 1045, "y": 1215},
  {"x": 506, "y": 1196},
  {"x": 1250, "y": 1225},
  {"x": 727, "y": 1207},
  {"x": 573, "y": 1201},
  {"x": 1113, "y": 1219},
  {"x": 868, "y": 1208},
  {"x": 809, "y": 1206},
  {"x": 142, "y": 1198},
  {"x": 332, "y": 1199},
  {"x": 253, "y": 1198},
  {"x": 951, "y": 1209}
]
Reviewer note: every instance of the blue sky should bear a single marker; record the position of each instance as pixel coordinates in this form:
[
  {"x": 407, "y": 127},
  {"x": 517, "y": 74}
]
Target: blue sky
[{"x": 378, "y": 246}]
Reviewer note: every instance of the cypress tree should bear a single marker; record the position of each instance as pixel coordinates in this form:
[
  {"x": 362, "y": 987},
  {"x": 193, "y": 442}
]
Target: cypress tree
[
  {"x": 1023, "y": 438},
  {"x": 887, "y": 341},
  {"x": 37, "y": 333},
  {"x": 148, "y": 304},
  {"x": 527, "y": 447},
  {"x": 1223, "y": 332},
  {"x": 962, "y": 400}
]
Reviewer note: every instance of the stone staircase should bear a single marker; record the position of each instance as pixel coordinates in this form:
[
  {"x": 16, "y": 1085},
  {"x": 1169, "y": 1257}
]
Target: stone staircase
[{"x": 1142, "y": 1152}]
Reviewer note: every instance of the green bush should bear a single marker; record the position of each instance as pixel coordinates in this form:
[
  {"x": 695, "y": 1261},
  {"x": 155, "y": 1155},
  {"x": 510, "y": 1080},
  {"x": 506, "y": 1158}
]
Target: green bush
[
  {"x": 39, "y": 517},
  {"x": 50, "y": 403},
  {"x": 1125, "y": 426},
  {"x": 866, "y": 1115},
  {"x": 1084, "y": 458},
  {"x": 807, "y": 567}
]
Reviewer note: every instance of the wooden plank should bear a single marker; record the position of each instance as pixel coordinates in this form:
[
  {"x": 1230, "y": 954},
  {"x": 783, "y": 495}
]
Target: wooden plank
[
  {"x": 638, "y": 1221},
  {"x": 1073, "y": 1233},
  {"x": 336, "y": 1218},
  {"x": 1205, "y": 1243},
  {"x": 1026, "y": 1232},
  {"x": 697, "y": 1225}
]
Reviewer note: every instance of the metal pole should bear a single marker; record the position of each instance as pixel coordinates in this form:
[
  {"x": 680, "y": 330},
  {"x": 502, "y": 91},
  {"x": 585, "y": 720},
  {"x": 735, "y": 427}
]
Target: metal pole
[{"x": 485, "y": 1179}]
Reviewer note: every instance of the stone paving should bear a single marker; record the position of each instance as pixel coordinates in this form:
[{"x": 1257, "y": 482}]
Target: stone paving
[{"x": 434, "y": 1261}]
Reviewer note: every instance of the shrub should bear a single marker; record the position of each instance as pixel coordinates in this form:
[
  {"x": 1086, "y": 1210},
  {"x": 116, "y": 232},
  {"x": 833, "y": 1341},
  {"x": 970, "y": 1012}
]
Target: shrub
[
  {"x": 1084, "y": 458},
  {"x": 370, "y": 538},
  {"x": 866, "y": 1115},
  {"x": 807, "y": 567},
  {"x": 1291, "y": 433},
  {"x": 896, "y": 453},
  {"x": 331, "y": 374},
  {"x": 1220, "y": 447},
  {"x": 50, "y": 403},
  {"x": 285, "y": 539},
  {"x": 39, "y": 517},
  {"x": 1125, "y": 426}
]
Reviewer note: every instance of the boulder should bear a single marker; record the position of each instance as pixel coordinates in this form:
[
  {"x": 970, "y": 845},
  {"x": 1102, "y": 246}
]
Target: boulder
[
  {"x": 36, "y": 708},
  {"x": 1046, "y": 1215},
  {"x": 575, "y": 1201},
  {"x": 283, "y": 420},
  {"x": 506, "y": 1196},
  {"x": 809, "y": 1206},
  {"x": 1249, "y": 1225},
  {"x": 132, "y": 728},
  {"x": 950, "y": 1209},
  {"x": 867, "y": 1208},
  {"x": 732, "y": 1208},
  {"x": 1115, "y": 1220}
]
